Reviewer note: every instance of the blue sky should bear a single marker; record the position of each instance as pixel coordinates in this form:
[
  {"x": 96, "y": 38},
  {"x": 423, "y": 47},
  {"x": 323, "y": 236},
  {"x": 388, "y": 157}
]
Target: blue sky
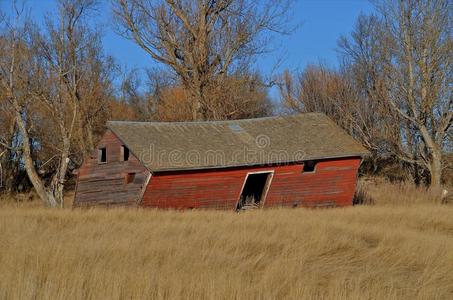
[{"x": 322, "y": 22}]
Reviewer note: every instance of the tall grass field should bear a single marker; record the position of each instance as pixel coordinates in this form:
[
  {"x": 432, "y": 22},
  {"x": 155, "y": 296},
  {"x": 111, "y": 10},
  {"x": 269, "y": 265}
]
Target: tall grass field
[{"x": 388, "y": 250}]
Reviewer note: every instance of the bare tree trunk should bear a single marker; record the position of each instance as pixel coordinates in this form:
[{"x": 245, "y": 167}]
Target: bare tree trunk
[
  {"x": 90, "y": 139},
  {"x": 57, "y": 186},
  {"x": 195, "y": 108},
  {"x": 436, "y": 169},
  {"x": 40, "y": 189},
  {"x": 8, "y": 165},
  {"x": 197, "y": 100},
  {"x": 435, "y": 158}
]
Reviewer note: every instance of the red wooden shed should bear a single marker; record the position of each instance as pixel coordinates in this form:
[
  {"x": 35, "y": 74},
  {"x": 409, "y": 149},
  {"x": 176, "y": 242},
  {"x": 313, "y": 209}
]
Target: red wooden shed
[{"x": 299, "y": 160}]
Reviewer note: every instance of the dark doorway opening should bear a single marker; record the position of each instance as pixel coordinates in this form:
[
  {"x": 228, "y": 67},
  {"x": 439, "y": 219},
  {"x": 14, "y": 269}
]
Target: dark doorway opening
[{"x": 254, "y": 190}]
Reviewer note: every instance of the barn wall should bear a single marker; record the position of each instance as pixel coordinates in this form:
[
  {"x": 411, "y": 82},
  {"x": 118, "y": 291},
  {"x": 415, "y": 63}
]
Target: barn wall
[
  {"x": 104, "y": 184},
  {"x": 333, "y": 183}
]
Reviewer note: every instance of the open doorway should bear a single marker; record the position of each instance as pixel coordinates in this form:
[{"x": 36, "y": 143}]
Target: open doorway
[{"x": 254, "y": 190}]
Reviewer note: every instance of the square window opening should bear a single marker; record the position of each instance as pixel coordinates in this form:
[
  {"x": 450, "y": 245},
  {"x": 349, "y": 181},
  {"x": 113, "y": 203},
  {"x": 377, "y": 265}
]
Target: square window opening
[
  {"x": 124, "y": 153},
  {"x": 309, "y": 166},
  {"x": 102, "y": 155}
]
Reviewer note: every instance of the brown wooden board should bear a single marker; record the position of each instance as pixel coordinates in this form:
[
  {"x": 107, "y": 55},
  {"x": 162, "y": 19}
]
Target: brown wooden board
[{"x": 105, "y": 183}]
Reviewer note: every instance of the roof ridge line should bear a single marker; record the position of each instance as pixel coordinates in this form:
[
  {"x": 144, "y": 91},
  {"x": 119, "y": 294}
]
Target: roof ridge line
[{"x": 213, "y": 121}]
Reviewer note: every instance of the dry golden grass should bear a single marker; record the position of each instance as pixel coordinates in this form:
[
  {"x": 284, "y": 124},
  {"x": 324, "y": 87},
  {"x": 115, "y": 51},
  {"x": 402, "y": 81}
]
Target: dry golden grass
[
  {"x": 362, "y": 252},
  {"x": 378, "y": 191}
]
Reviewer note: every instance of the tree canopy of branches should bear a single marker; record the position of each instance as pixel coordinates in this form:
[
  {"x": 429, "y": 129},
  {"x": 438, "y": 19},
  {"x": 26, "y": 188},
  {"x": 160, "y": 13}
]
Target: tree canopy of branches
[
  {"x": 410, "y": 68},
  {"x": 238, "y": 97},
  {"x": 394, "y": 88},
  {"x": 53, "y": 81},
  {"x": 203, "y": 42}
]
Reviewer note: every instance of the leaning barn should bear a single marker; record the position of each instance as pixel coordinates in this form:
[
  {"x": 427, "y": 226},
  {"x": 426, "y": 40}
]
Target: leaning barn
[{"x": 302, "y": 160}]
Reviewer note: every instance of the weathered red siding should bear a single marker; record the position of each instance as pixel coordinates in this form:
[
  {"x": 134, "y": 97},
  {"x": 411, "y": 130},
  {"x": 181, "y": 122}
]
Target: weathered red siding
[
  {"x": 104, "y": 184},
  {"x": 332, "y": 183}
]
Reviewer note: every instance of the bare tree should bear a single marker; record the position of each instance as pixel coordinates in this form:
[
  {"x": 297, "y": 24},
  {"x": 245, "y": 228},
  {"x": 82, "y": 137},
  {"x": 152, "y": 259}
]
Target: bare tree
[
  {"x": 42, "y": 76},
  {"x": 238, "y": 97},
  {"x": 411, "y": 73},
  {"x": 203, "y": 42},
  {"x": 95, "y": 89},
  {"x": 334, "y": 92},
  {"x": 319, "y": 89}
]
